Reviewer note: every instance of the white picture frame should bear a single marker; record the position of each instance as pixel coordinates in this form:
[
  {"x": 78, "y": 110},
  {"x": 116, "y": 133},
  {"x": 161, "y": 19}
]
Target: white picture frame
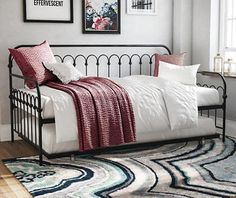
[{"x": 141, "y": 7}]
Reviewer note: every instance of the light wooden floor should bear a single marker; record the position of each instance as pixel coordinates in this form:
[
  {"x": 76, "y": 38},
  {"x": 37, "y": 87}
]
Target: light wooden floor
[{"x": 9, "y": 186}]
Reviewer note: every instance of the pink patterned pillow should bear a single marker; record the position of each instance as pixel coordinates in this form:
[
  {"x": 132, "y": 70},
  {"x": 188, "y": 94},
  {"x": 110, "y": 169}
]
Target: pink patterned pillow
[
  {"x": 172, "y": 59},
  {"x": 30, "y": 61}
]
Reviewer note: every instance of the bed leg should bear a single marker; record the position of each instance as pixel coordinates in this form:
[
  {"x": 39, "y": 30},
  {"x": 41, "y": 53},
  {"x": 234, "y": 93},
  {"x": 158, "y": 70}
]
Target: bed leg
[
  {"x": 72, "y": 157},
  {"x": 40, "y": 158},
  {"x": 224, "y": 116},
  {"x": 40, "y": 147},
  {"x": 202, "y": 141},
  {"x": 40, "y": 141},
  {"x": 224, "y": 125},
  {"x": 12, "y": 132},
  {"x": 11, "y": 118}
]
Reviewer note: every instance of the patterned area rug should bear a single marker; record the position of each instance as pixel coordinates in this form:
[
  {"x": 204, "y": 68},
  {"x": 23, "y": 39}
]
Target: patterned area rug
[{"x": 187, "y": 169}]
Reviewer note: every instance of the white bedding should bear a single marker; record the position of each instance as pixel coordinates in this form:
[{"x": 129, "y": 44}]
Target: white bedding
[
  {"x": 149, "y": 100},
  {"x": 173, "y": 104},
  {"x": 170, "y": 103},
  {"x": 205, "y": 97},
  {"x": 206, "y": 127}
]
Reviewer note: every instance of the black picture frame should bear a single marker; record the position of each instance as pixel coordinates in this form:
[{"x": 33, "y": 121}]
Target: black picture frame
[
  {"x": 89, "y": 25},
  {"x": 70, "y": 16}
]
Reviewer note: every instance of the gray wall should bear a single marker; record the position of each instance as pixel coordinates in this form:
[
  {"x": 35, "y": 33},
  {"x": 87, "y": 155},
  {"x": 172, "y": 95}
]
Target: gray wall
[
  {"x": 134, "y": 29},
  {"x": 182, "y": 30},
  {"x": 201, "y": 33},
  {"x": 205, "y": 44}
]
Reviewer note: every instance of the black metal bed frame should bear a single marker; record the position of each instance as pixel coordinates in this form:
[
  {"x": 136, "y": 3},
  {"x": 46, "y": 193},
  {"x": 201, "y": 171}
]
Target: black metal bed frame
[{"x": 26, "y": 109}]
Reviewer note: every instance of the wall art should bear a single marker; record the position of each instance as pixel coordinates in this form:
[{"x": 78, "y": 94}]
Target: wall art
[
  {"x": 49, "y": 11},
  {"x": 101, "y": 16},
  {"x": 142, "y": 7}
]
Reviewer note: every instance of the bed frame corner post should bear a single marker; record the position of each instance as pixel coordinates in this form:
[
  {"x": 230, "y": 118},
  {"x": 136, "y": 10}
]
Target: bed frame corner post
[
  {"x": 224, "y": 118},
  {"x": 10, "y": 65},
  {"x": 40, "y": 141},
  {"x": 40, "y": 125},
  {"x": 224, "y": 109}
]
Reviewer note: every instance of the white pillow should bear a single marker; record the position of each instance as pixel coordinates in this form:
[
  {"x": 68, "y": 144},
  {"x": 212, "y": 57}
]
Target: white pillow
[
  {"x": 183, "y": 74},
  {"x": 66, "y": 72}
]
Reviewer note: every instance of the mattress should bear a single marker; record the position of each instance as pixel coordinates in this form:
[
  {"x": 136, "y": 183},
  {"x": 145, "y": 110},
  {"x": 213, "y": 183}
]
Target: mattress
[
  {"x": 151, "y": 104},
  {"x": 205, "y": 97},
  {"x": 206, "y": 126}
]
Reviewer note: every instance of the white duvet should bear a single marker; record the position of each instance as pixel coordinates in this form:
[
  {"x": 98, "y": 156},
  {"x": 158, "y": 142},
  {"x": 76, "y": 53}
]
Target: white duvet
[{"x": 158, "y": 105}]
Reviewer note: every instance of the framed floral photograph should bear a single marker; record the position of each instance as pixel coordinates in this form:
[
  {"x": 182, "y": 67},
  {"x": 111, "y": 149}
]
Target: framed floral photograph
[
  {"x": 101, "y": 16},
  {"x": 142, "y": 7}
]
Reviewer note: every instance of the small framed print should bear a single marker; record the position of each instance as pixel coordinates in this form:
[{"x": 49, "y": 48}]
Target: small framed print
[
  {"x": 142, "y": 7},
  {"x": 49, "y": 11},
  {"x": 101, "y": 16}
]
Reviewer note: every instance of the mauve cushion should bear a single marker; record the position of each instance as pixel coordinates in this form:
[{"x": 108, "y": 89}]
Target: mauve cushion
[
  {"x": 177, "y": 59},
  {"x": 30, "y": 62}
]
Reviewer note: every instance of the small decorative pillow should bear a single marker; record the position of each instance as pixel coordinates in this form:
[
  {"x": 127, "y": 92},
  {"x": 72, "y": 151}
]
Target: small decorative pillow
[
  {"x": 185, "y": 74},
  {"x": 177, "y": 59},
  {"x": 30, "y": 61},
  {"x": 66, "y": 72}
]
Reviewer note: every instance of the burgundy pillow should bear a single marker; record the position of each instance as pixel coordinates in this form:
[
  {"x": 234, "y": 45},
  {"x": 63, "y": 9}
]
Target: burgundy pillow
[
  {"x": 30, "y": 61},
  {"x": 172, "y": 59}
]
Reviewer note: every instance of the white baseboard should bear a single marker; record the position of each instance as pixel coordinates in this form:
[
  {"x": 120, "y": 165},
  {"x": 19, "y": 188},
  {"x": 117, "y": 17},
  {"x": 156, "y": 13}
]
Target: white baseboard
[{"x": 5, "y": 133}]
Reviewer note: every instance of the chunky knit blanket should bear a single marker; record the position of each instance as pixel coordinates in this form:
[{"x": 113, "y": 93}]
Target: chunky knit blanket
[{"x": 104, "y": 112}]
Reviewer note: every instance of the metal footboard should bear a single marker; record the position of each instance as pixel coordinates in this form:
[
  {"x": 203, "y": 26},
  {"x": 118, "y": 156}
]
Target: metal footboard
[
  {"x": 222, "y": 106},
  {"x": 25, "y": 110},
  {"x": 26, "y": 115}
]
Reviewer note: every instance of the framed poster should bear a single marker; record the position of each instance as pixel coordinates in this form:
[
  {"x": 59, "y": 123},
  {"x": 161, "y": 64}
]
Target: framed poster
[
  {"x": 142, "y": 7},
  {"x": 101, "y": 16},
  {"x": 50, "y": 11}
]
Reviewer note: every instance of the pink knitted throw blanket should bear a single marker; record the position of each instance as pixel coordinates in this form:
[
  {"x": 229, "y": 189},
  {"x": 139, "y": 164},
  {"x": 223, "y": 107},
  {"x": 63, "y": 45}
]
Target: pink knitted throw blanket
[{"x": 104, "y": 112}]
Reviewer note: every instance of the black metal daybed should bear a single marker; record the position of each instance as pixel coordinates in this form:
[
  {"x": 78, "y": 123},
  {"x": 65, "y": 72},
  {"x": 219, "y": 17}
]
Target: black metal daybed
[{"x": 24, "y": 105}]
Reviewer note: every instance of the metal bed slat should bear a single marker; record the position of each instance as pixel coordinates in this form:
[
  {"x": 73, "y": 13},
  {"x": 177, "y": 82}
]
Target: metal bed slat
[
  {"x": 27, "y": 113},
  {"x": 35, "y": 123}
]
